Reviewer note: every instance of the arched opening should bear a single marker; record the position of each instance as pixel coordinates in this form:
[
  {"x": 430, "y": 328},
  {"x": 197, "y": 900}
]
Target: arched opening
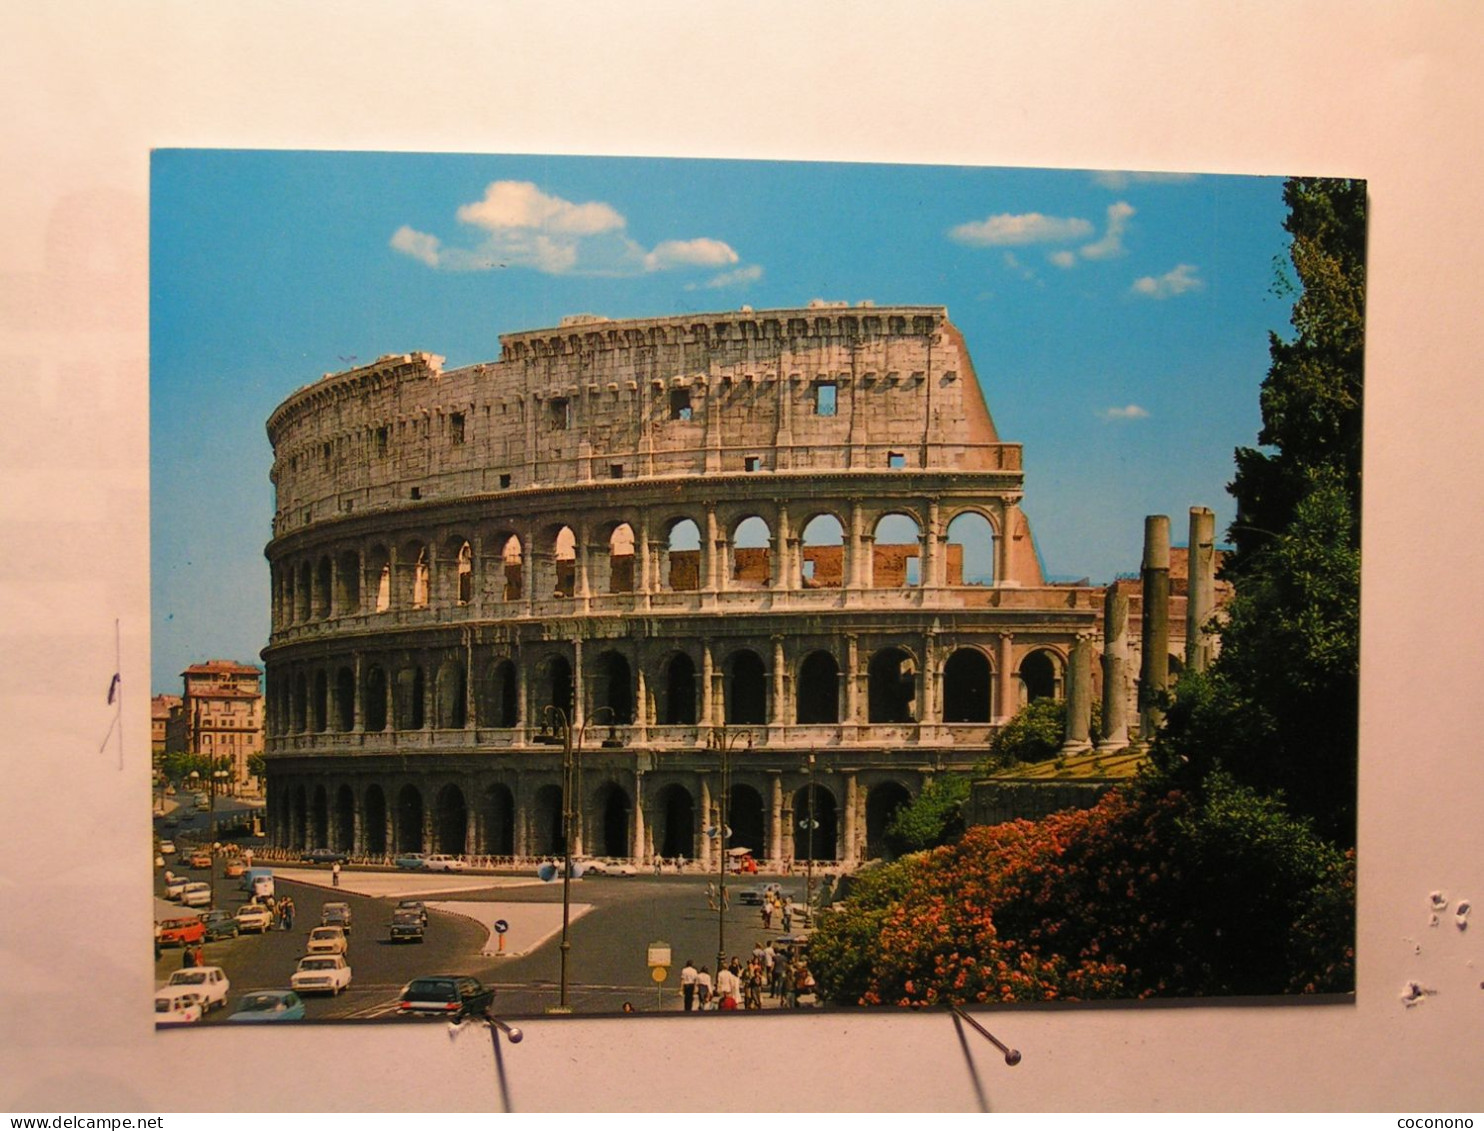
[
  {"x": 414, "y": 575},
  {"x": 319, "y": 819},
  {"x": 613, "y": 821},
  {"x": 822, "y": 553},
  {"x": 970, "y": 550},
  {"x": 300, "y": 703},
  {"x": 497, "y": 696},
  {"x": 621, "y": 560},
  {"x": 408, "y": 700},
  {"x": 319, "y": 706},
  {"x": 746, "y": 689},
  {"x": 408, "y": 826},
  {"x": 882, "y": 803},
  {"x": 613, "y": 689},
  {"x": 373, "y": 822},
  {"x": 682, "y": 571},
  {"x": 286, "y": 601},
  {"x": 375, "y": 702},
  {"x": 464, "y": 574},
  {"x": 379, "y": 573},
  {"x": 499, "y": 821},
  {"x": 896, "y": 553},
  {"x": 1040, "y": 677},
  {"x": 345, "y": 820},
  {"x": 554, "y": 689},
  {"x": 511, "y": 569},
  {"x": 298, "y": 818},
  {"x": 752, "y": 562},
  {"x": 322, "y": 588},
  {"x": 564, "y": 558},
  {"x": 546, "y": 822},
  {"x": 451, "y": 821},
  {"x": 348, "y": 586},
  {"x": 678, "y": 707},
  {"x": 301, "y": 602},
  {"x": 818, "y": 693},
  {"x": 893, "y": 687},
  {"x": 966, "y": 687},
  {"x": 814, "y": 824},
  {"x": 345, "y": 699},
  {"x": 450, "y": 696},
  {"x": 745, "y": 818},
  {"x": 675, "y": 821}
]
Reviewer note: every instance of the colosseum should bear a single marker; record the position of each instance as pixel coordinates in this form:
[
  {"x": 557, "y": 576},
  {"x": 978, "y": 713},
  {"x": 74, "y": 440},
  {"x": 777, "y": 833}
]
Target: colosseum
[{"x": 753, "y": 555}]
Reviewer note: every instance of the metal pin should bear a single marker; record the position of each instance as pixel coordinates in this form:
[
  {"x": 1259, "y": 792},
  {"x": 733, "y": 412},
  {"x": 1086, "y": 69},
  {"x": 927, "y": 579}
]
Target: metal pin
[{"x": 1012, "y": 1056}]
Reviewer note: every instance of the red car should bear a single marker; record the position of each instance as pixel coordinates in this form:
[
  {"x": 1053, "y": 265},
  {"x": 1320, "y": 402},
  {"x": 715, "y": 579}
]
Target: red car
[{"x": 182, "y": 932}]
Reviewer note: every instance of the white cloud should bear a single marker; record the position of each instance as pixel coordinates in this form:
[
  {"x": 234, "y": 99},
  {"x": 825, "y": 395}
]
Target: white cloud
[
  {"x": 419, "y": 245},
  {"x": 1007, "y": 229},
  {"x": 1012, "y": 263},
  {"x": 1112, "y": 179},
  {"x": 1112, "y": 242},
  {"x": 689, "y": 253},
  {"x": 1063, "y": 259},
  {"x": 520, "y": 204},
  {"x": 1176, "y": 282},
  {"x": 738, "y": 278},
  {"x": 1126, "y": 412}
]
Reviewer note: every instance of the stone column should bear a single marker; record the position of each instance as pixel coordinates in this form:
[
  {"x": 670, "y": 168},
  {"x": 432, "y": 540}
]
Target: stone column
[
  {"x": 579, "y": 688},
  {"x": 775, "y": 816},
  {"x": 1154, "y": 670},
  {"x": 1201, "y": 567},
  {"x": 522, "y": 692},
  {"x": 470, "y": 721},
  {"x": 707, "y": 690},
  {"x": 1079, "y": 697},
  {"x": 930, "y": 712},
  {"x": 427, "y": 829},
  {"x": 636, "y": 826},
  {"x": 644, "y": 581},
  {"x": 855, "y": 549},
  {"x": 358, "y": 827},
  {"x": 471, "y": 828},
  {"x": 1115, "y": 670},
  {"x": 1006, "y": 701},
  {"x": 520, "y": 835},
  {"x": 932, "y": 550},
  {"x": 783, "y": 570},
  {"x": 1003, "y": 570},
  {"x": 851, "y": 852},
  {"x": 358, "y": 696},
  {"x": 711, "y": 565},
  {"x": 779, "y": 715},
  {"x": 852, "y": 679},
  {"x": 703, "y": 842}
]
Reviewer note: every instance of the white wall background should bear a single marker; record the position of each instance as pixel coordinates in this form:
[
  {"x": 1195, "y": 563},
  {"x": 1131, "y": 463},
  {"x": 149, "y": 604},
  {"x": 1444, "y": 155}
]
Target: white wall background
[{"x": 1385, "y": 91}]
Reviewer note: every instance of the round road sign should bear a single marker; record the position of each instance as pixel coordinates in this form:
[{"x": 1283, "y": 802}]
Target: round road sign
[
  {"x": 658, "y": 973},
  {"x": 501, "y": 926}
]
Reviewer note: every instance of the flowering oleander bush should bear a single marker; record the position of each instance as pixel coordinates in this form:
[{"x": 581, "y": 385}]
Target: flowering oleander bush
[{"x": 1153, "y": 892}]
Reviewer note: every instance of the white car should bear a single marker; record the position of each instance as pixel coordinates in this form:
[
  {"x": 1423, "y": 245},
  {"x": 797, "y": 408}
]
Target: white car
[
  {"x": 196, "y": 894},
  {"x": 321, "y": 973},
  {"x": 177, "y": 1005},
  {"x": 254, "y": 917},
  {"x": 175, "y": 886},
  {"x": 441, "y": 863},
  {"x": 208, "y": 981},
  {"x": 167, "y": 847},
  {"x": 327, "y": 940}
]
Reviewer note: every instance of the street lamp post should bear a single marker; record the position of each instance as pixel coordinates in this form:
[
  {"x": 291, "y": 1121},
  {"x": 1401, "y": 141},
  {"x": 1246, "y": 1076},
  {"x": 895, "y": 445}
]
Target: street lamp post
[
  {"x": 812, "y": 825},
  {"x": 722, "y": 744},
  {"x": 217, "y": 775},
  {"x": 571, "y": 756}
]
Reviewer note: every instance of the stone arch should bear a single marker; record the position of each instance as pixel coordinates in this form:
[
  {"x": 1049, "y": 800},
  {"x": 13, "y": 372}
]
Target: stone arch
[
  {"x": 498, "y": 703},
  {"x": 345, "y": 699},
  {"x": 675, "y": 822},
  {"x": 896, "y": 552},
  {"x": 344, "y": 838},
  {"x": 1040, "y": 676},
  {"x": 613, "y": 811},
  {"x": 415, "y": 580},
  {"x": 678, "y": 702},
  {"x": 745, "y": 818},
  {"x": 450, "y": 696},
  {"x": 892, "y": 694},
  {"x": 818, "y": 690},
  {"x": 970, "y": 549},
  {"x": 822, "y": 553},
  {"x": 499, "y": 821},
  {"x": 554, "y": 689},
  {"x": 512, "y": 569},
  {"x": 319, "y": 818},
  {"x": 968, "y": 683},
  {"x": 612, "y": 690},
  {"x": 621, "y": 558},
  {"x": 547, "y": 837},
  {"x": 882, "y": 803},
  {"x": 374, "y": 710},
  {"x": 407, "y": 821},
  {"x": 463, "y": 573},
  {"x": 751, "y": 553},
  {"x": 379, "y": 578},
  {"x": 746, "y": 687},
  {"x": 451, "y": 821},
  {"x": 324, "y": 572},
  {"x": 407, "y": 699},
  {"x": 373, "y": 821},
  {"x": 821, "y": 844},
  {"x": 301, "y": 600},
  {"x": 681, "y": 569},
  {"x": 299, "y": 703},
  {"x": 564, "y": 562},
  {"x": 348, "y": 584},
  {"x": 319, "y": 703}
]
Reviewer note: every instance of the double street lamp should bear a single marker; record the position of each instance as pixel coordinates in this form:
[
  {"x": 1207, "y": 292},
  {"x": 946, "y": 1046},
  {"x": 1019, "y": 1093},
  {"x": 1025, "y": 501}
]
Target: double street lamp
[
  {"x": 556, "y": 730},
  {"x": 723, "y": 744}
]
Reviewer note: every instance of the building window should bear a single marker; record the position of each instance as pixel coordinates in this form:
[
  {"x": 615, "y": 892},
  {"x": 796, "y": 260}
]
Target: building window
[
  {"x": 615, "y": 471},
  {"x": 505, "y": 480},
  {"x": 456, "y": 428},
  {"x": 561, "y": 413},
  {"x": 417, "y": 492},
  {"x": 751, "y": 463},
  {"x": 824, "y": 398},
  {"x": 680, "y": 404},
  {"x": 896, "y": 459}
]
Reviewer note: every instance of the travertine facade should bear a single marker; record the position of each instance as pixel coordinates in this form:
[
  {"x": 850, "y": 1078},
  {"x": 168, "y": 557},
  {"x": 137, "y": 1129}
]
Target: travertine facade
[
  {"x": 797, "y": 525},
  {"x": 220, "y": 716}
]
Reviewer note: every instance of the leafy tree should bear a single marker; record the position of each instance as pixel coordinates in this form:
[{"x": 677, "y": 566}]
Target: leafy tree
[
  {"x": 257, "y": 765},
  {"x": 1034, "y": 734},
  {"x": 932, "y": 818}
]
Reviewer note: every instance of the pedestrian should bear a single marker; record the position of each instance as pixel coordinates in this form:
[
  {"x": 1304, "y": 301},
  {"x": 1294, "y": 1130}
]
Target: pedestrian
[
  {"x": 767, "y": 914},
  {"x": 788, "y": 917},
  {"x": 688, "y": 984},
  {"x": 752, "y": 985},
  {"x": 703, "y": 987},
  {"x": 187, "y": 958},
  {"x": 287, "y": 909},
  {"x": 659, "y": 863},
  {"x": 335, "y": 874},
  {"x": 728, "y": 988},
  {"x": 628, "y": 1007},
  {"x": 680, "y": 862},
  {"x": 200, "y": 956},
  {"x": 770, "y": 960}
]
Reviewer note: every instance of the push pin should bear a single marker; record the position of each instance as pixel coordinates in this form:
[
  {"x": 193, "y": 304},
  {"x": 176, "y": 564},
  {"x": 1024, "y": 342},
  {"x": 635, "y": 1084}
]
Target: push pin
[{"x": 1012, "y": 1056}]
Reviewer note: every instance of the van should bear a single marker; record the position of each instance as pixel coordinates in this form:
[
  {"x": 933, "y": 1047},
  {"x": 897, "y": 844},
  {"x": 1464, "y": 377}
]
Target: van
[{"x": 258, "y": 882}]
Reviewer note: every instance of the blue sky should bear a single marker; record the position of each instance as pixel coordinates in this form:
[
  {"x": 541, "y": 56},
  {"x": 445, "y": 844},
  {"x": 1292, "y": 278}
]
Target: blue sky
[{"x": 1118, "y": 322}]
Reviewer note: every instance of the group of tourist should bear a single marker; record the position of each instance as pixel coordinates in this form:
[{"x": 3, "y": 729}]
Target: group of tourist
[{"x": 785, "y": 977}]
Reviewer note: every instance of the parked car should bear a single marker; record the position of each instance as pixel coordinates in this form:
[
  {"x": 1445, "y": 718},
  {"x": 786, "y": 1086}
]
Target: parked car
[
  {"x": 407, "y": 926},
  {"x": 196, "y": 894},
  {"x": 593, "y": 867},
  {"x": 269, "y": 1005},
  {"x": 445, "y": 994},
  {"x": 208, "y": 981},
  {"x": 199, "y": 860},
  {"x": 220, "y": 924},
  {"x": 335, "y": 915},
  {"x": 441, "y": 863},
  {"x": 414, "y": 905},
  {"x": 185, "y": 931},
  {"x": 177, "y": 1005},
  {"x": 254, "y": 917},
  {"x": 321, "y": 973},
  {"x": 327, "y": 940},
  {"x": 167, "y": 848},
  {"x": 234, "y": 869},
  {"x": 175, "y": 885},
  {"x": 413, "y": 861},
  {"x": 325, "y": 856}
]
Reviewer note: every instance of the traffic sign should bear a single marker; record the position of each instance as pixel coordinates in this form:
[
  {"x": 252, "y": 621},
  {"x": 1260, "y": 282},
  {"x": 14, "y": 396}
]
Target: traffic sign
[
  {"x": 659, "y": 973},
  {"x": 501, "y": 926}
]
